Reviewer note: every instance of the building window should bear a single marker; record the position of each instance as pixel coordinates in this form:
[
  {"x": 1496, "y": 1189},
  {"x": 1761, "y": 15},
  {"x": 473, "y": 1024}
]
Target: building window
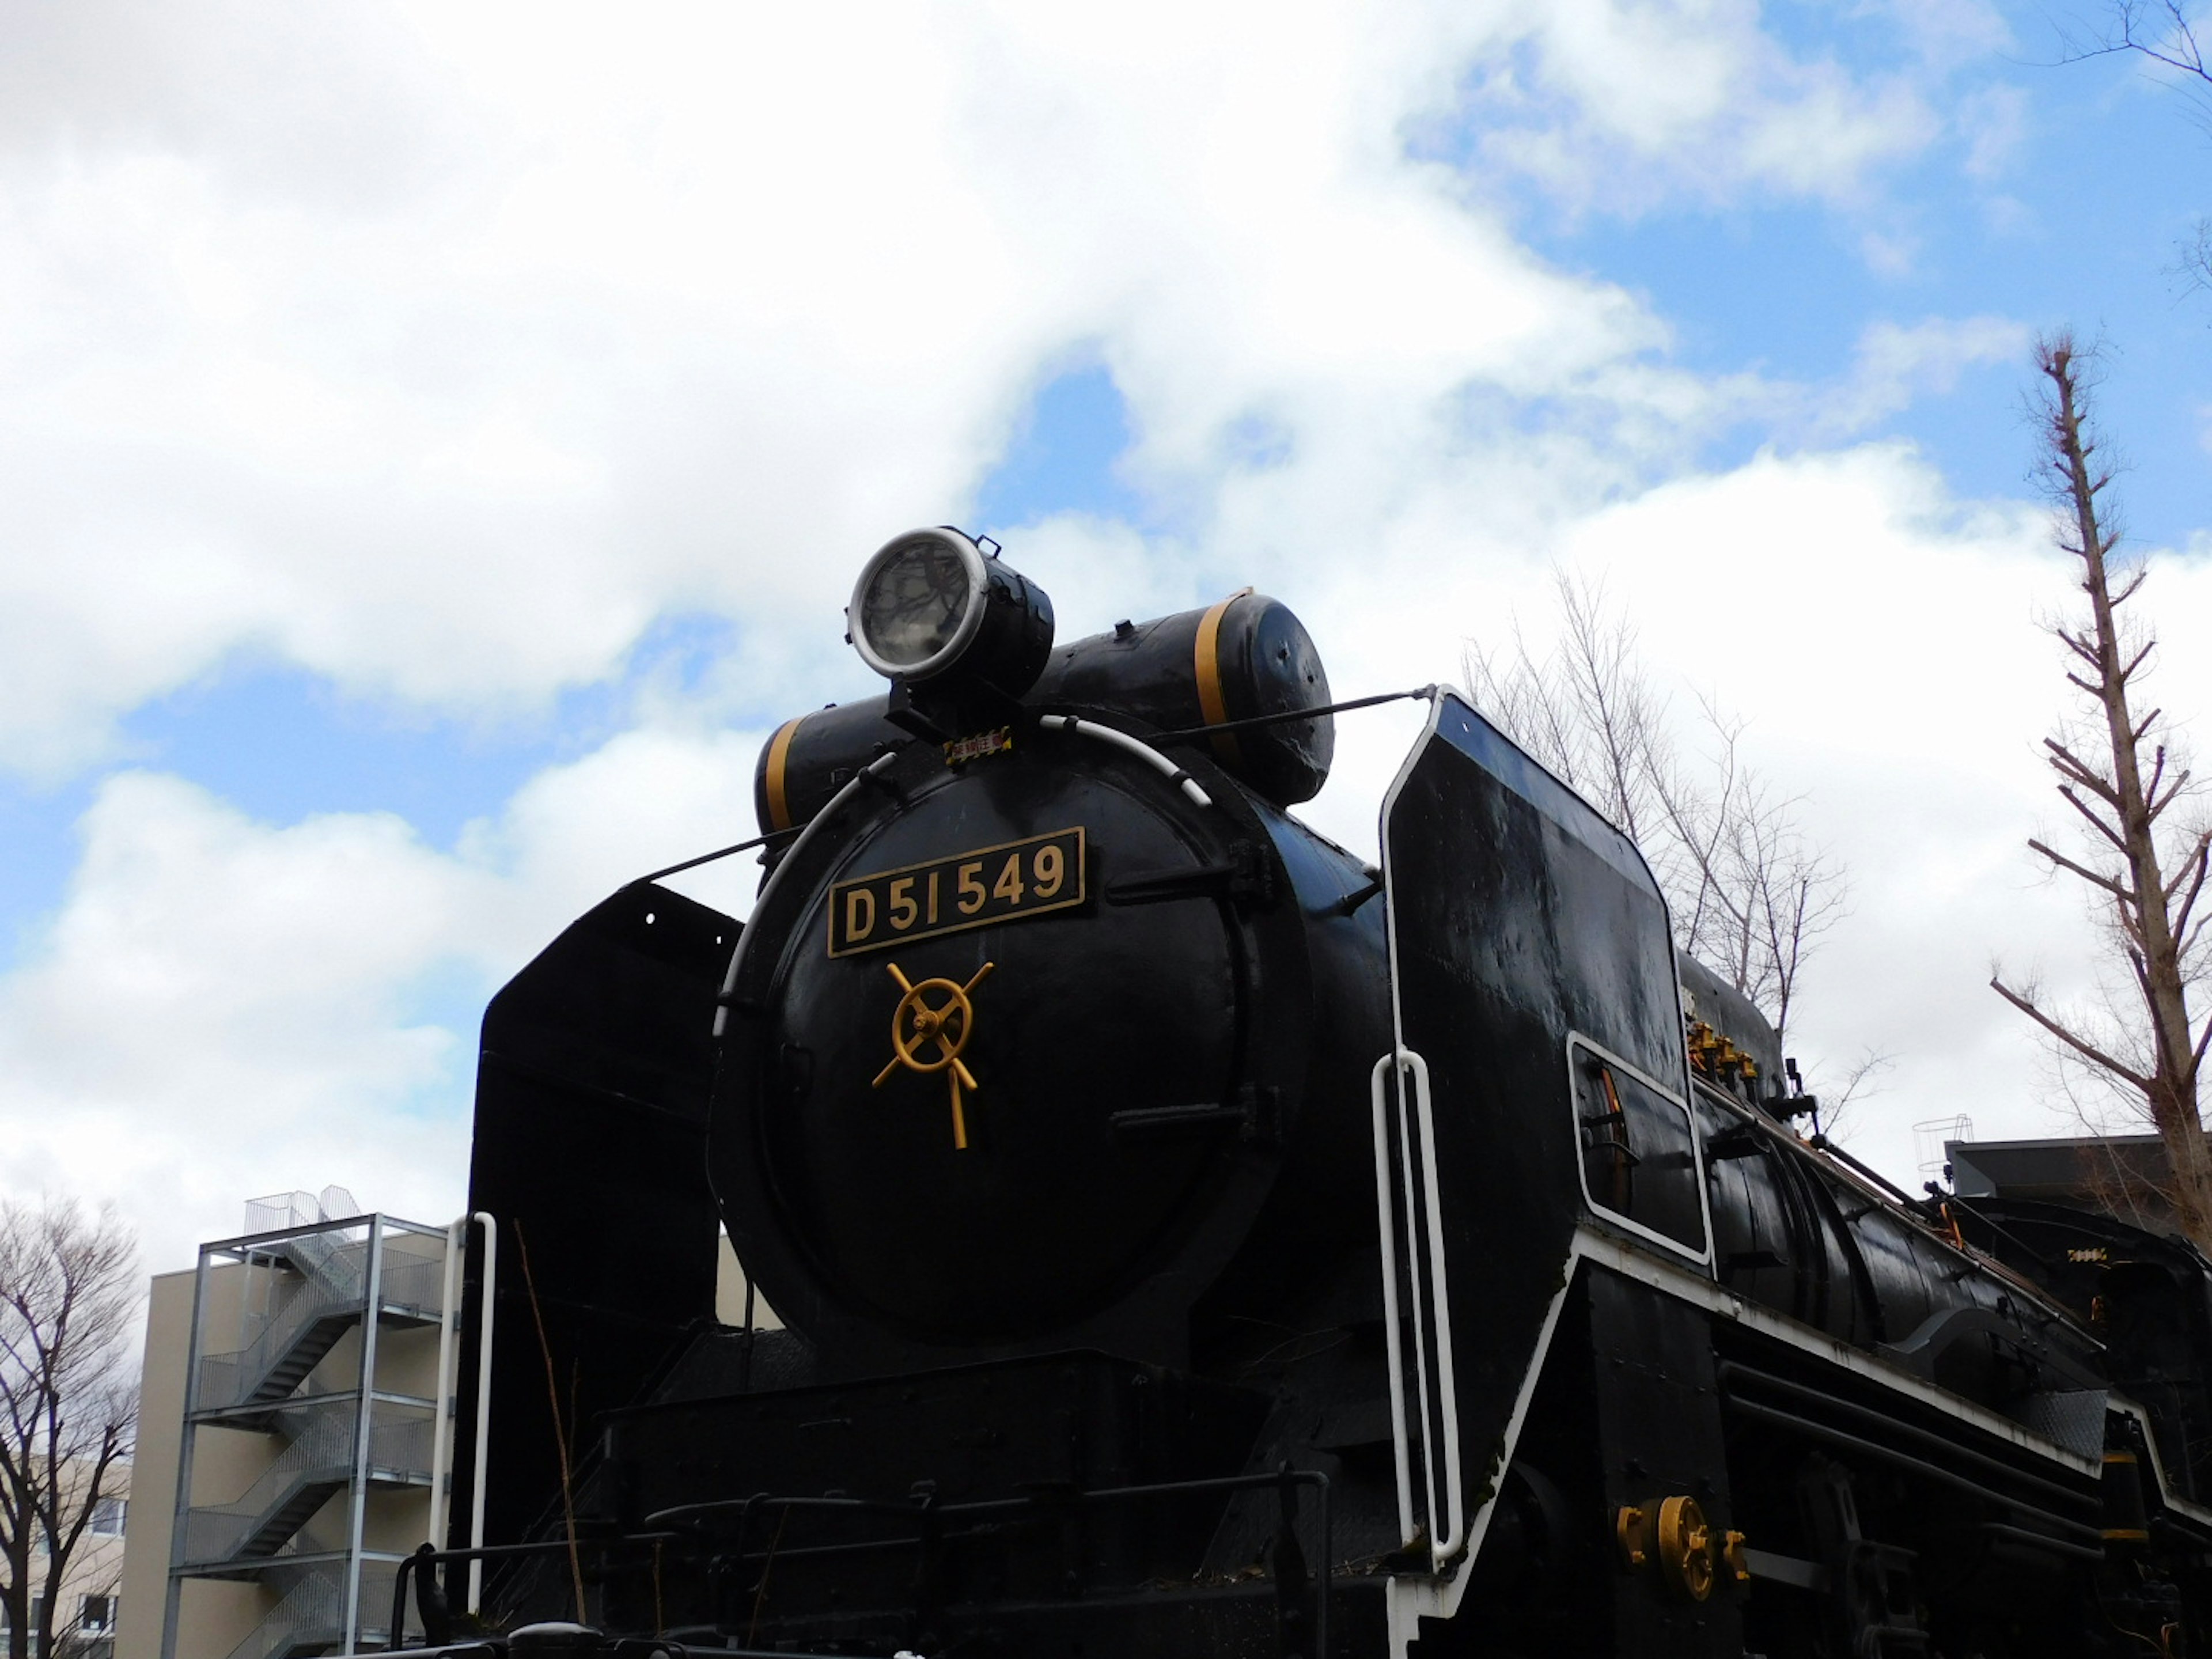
[
  {"x": 107, "y": 1517},
  {"x": 96, "y": 1614}
]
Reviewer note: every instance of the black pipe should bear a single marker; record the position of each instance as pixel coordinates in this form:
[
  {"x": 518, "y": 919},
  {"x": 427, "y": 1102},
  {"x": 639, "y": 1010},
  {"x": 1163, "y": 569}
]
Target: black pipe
[
  {"x": 2056, "y": 1546},
  {"x": 661, "y": 1518},
  {"x": 1866, "y": 1414},
  {"x": 1882, "y": 1454},
  {"x": 1284, "y": 717},
  {"x": 1821, "y": 1143},
  {"x": 719, "y": 853},
  {"x": 1315, "y": 1478},
  {"x": 425, "y": 1558}
]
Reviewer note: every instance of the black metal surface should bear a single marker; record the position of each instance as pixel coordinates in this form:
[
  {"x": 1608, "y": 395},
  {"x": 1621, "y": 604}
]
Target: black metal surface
[
  {"x": 2149, "y": 1298},
  {"x": 868, "y": 1227},
  {"x": 1517, "y": 917},
  {"x": 1793, "y": 1232},
  {"x": 1266, "y": 663},
  {"x": 1887, "y": 1425},
  {"x": 1659, "y": 1433},
  {"x": 591, "y": 1121}
]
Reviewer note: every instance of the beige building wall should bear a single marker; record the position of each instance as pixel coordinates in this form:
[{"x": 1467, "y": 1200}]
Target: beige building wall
[
  {"x": 95, "y": 1569},
  {"x": 729, "y": 1294},
  {"x": 216, "y": 1615},
  {"x": 161, "y": 1435}
]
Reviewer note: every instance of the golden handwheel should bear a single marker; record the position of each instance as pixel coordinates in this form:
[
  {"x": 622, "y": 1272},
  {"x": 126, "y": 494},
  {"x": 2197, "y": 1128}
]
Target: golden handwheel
[{"x": 935, "y": 1010}]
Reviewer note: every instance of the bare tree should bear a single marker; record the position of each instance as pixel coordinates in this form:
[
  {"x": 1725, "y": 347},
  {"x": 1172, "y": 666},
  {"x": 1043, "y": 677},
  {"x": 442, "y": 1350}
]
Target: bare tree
[
  {"x": 69, "y": 1291},
  {"x": 1749, "y": 894},
  {"x": 2144, "y": 864},
  {"x": 2160, "y": 32},
  {"x": 2157, "y": 31}
]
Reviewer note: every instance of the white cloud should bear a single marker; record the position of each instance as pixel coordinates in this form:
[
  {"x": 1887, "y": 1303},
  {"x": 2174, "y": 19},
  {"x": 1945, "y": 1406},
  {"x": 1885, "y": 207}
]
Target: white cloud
[
  {"x": 1622, "y": 104},
  {"x": 1896, "y": 364},
  {"x": 222, "y": 1007},
  {"x": 219, "y": 1009},
  {"x": 1993, "y": 120},
  {"x": 1944, "y": 34},
  {"x": 439, "y": 355}
]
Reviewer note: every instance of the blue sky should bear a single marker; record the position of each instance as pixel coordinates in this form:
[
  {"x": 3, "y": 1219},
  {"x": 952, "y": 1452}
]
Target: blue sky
[{"x": 430, "y": 493}]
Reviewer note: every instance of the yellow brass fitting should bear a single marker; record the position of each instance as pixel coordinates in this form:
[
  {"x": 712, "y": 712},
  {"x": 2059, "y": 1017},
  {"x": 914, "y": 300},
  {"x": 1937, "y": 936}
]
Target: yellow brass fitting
[
  {"x": 1630, "y": 1527},
  {"x": 1686, "y": 1547},
  {"x": 1732, "y": 1557}
]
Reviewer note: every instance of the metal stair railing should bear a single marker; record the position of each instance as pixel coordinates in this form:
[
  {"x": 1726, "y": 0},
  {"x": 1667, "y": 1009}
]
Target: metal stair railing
[
  {"x": 333, "y": 1280},
  {"x": 320, "y": 1459},
  {"x": 376, "y": 1586},
  {"x": 320, "y": 1308},
  {"x": 310, "y": 1615},
  {"x": 400, "y": 1451},
  {"x": 266, "y": 1516},
  {"x": 414, "y": 1286}
]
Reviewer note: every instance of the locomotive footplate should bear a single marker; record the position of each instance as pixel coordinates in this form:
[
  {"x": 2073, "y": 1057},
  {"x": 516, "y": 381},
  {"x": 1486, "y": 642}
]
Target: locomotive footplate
[{"x": 820, "y": 1513}]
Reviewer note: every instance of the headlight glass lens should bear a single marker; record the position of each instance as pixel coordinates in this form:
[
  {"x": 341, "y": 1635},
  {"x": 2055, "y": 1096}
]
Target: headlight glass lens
[{"x": 913, "y": 604}]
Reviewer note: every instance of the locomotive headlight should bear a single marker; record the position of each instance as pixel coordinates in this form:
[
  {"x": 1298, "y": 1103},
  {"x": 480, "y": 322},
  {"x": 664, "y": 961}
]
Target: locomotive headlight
[
  {"x": 929, "y": 603},
  {"x": 919, "y": 603}
]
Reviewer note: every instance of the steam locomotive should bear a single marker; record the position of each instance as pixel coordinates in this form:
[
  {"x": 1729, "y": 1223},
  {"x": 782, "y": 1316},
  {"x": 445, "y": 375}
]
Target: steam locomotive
[{"x": 1190, "y": 1240}]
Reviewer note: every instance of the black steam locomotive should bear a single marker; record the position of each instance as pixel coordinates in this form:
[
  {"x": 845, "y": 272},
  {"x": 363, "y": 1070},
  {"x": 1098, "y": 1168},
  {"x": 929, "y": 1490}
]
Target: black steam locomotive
[{"x": 1189, "y": 1240}]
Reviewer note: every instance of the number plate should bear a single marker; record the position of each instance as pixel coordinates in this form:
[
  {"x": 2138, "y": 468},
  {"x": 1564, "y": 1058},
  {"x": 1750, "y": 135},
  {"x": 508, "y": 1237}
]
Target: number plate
[{"x": 968, "y": 889}]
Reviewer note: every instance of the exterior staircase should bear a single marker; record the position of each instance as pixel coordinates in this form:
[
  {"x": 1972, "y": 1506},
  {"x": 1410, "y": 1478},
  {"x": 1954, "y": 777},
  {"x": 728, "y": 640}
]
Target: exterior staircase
[
  {"x": 310, "y": 1619},
  {"x": 303, "y": 1269},
  {"x": 323, "y": 1298},
  {"x": 318, "y": 1464}
]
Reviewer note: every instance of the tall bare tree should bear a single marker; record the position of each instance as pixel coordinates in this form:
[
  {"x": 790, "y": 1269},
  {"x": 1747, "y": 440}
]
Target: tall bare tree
[
  {"x": 1750, "y": 894},
  {"x": 2144, "y": 863},
  {"x": 68, "y": 1411}
]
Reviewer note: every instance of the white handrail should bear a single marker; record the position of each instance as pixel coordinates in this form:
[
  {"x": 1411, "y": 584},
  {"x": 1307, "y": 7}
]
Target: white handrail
[
  {"x": 1444, "y": 1412},
  {"x": 1393, "y": 1342},
  {"x": 441, "y": 1449},
  {"x": 484, "y": 1401},
  {"x": 1440, "y": 1295},
  {"x": 1129, "y": 745}
]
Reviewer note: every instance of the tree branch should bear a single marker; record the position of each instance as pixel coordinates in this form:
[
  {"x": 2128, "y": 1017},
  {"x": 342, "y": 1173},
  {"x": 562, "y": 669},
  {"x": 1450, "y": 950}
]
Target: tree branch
[
  {"x": 2095, "y": 822},
  {"x": 2068, "y": 764},
  {"x": 2086, "y": 874},
  {"x": 2088, "y": 1051}
]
